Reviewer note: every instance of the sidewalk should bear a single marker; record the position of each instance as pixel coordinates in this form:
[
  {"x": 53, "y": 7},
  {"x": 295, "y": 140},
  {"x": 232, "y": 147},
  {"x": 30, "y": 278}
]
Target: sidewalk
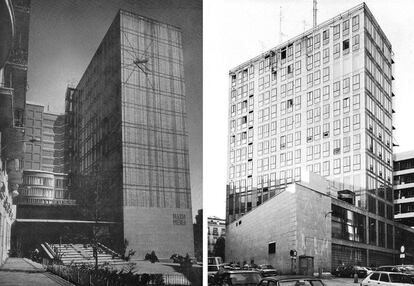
[{"x": 22, "y": 271}]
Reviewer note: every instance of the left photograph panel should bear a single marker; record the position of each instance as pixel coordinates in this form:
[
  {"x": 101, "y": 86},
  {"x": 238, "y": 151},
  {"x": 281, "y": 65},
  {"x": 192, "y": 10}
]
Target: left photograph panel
[{"x": 101, "y": 142}]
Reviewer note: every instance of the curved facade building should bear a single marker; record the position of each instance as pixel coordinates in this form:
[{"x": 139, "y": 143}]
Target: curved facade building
[{"x": 7, "y": 30}]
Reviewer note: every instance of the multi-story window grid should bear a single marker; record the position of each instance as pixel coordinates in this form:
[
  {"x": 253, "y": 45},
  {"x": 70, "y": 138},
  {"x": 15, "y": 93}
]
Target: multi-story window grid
[
  {"x": 129, "y": 118},
  {"x": 322, "y": 103}
]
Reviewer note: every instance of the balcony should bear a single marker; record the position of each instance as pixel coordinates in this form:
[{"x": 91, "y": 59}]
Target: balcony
[{"x": 45, "y": 201}]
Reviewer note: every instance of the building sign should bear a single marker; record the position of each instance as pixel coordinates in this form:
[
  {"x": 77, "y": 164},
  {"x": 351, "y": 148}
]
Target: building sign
[{"x": 179, "y": 219}]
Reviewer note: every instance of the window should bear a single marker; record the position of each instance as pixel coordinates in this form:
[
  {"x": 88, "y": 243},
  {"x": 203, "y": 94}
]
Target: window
[
  {"x": 297, "y": 156},
  {"x": 272, "y": 248},
  {"x": 298, "y": 84},
  {"x": 326, "y": 55},
  {"x": 298, "y": 67},
  {"x": 326, "y": 74},
  {"x": 337, "y": 108},
  {"x": 289, "y": 69},
  {"x": 325, "y": 37},
  {"x": 309, "y": 135},
  {"x": 317, "y": 41},
  {"x": 336, "y": 52},
  {"x": 326, "y": 90},
  {"x": 310, "y": 98},
  {"x": 317, "y": 95},
  {"x": 337, "y": 166},
  {"x": 355, "y": 42},
  {"x": 309, "y": 62},
  {"x": 345, "y": 46},
  {"x": 357, "y": 162},
  {"x": 346, "y": 83},
  {"x": 317, "y": 59},
  {"x": 326, "y": 111},
  {"x": 326, "y": 128},
  {"x": 337, "y": 146},
  {"x": 347, "y": 164},
  {"x": 309, "y": 153},
  {"x": 347, "y": 123},
  {"x": 356, "y": 101},
  {"x": 356, "y": 119},
  {"x": 346, "y": 105},
  {"x": 298, "y": 50},
  {"x": 355, "y": 23},
  {"x": 347, "y": 144},
  {"x": 345, "y": 28},
  {"x": 357, "y": 141},
  {"x": 337, "y": 88},
  {"x": 336, "y": 32},
  {"x": 317, "y": 77},
  {"x": 310, "y": 80},
  {"x": 297, "y": 102},
  {"x": 325, "y": 168},
  {"x": 337, "y": 127},
  {"x": 355, "y": 82},
  {"x": 297, "y": 138},
  {"x": 326, "y": 149}
]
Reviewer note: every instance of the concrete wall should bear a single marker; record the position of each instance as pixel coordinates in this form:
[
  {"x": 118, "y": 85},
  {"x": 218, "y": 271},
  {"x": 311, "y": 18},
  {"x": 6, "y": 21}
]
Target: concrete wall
[
  {"x": 148, "y": 229},
  {"x": 314, "y": 227},
  {"x": 294, "y": 219}
]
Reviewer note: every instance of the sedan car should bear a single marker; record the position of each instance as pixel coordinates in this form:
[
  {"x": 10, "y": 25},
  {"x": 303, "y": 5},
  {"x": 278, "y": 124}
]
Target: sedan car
[
  {"x": 266, "y": 270},
  {"x": 387, "y": 279},
  {"x": 237, "y": 277},
  {"x": 291, "y": 280},
  {"x": 351, "y": 270}
]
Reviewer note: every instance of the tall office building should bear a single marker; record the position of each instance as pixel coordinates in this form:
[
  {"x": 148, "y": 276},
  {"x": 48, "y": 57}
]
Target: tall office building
[
  {"x": 320, "y": 102},
  {"x": 404, "y": 187},
  {"x": 130, "y": 142}
]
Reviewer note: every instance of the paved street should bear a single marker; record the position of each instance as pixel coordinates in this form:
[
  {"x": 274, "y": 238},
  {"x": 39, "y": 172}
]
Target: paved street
[{"x": 21, "y": 272}]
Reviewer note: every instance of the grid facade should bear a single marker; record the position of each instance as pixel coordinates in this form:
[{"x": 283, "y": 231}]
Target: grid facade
[
  {"x": 128, "y": 130},
  {"x": 320, "y": 102}
]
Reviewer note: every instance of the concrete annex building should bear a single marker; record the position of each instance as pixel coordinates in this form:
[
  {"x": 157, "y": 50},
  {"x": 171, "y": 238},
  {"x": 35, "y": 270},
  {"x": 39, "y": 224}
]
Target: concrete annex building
[
  {"x": 321, "y": 102},
  {"x": 129, "y": 142}
]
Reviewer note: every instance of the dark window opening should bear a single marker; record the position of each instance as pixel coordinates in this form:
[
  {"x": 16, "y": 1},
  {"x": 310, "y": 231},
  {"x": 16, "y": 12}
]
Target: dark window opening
[
  {"x": 272, "y": 248},
  {"x": 345, "y": 45},
  {"x": 283, "y": 54}
]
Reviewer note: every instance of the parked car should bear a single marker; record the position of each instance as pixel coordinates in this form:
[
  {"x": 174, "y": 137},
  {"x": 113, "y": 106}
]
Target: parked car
[
  {"x": 237, "y": 277},
  {"x": 291, "y": 280},
  {"x": 266, "y": 270},
  {"x": 392, "y": 268},
  {"x": 351, "y": 270},
  {"x": 214, "y": 265},
  {"x": 387, "y": 279}
]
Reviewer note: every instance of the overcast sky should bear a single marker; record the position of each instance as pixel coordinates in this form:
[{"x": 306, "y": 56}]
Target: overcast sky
[
  {"x": 237, "y": 30},
  {"x": 64, "y": 35}
]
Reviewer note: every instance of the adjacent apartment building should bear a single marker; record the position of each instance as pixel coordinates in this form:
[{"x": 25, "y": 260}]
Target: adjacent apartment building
[
  {"x": 320, "y": 102},
  {"x": 216, "y": 229},
  {"x": 404, "y": 187},
  {"x": 129, "y": 150}
]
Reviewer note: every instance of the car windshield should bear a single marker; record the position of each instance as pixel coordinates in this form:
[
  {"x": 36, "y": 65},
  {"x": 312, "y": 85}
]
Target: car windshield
[
  {"x": 399, "y": 278},
  {"x": 267, "y": 267},
  {"x": 245, "y": 278}
]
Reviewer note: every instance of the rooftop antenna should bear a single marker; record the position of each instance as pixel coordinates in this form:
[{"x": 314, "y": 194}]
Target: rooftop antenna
[{"x": 315, "y": 11}]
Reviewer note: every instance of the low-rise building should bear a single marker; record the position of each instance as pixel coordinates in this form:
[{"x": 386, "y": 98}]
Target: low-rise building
[
  {"x": 316, "y": 222},
  {"x": 216, "y": 229},
  {"x": 404, "y": 187}
]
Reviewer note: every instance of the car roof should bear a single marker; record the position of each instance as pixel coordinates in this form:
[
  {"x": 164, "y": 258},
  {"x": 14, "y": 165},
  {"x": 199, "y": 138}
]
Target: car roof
[
  {"x": 388, "y": 272},
  {"x": 282, "y": 277}
]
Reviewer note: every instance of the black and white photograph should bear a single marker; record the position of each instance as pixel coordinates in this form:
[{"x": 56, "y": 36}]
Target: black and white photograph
[
  {"x": 101, "y": 142},
  {"x": 308, "y": 151}
]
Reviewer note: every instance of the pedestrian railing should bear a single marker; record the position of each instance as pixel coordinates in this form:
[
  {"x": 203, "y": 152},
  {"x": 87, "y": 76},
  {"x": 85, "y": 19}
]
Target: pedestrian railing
[{"x": 84, "y": 276}]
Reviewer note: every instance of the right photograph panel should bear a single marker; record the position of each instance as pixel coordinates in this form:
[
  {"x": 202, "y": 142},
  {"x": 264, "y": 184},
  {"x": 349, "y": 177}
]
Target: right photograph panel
[{"x": 309, "y": 168}]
